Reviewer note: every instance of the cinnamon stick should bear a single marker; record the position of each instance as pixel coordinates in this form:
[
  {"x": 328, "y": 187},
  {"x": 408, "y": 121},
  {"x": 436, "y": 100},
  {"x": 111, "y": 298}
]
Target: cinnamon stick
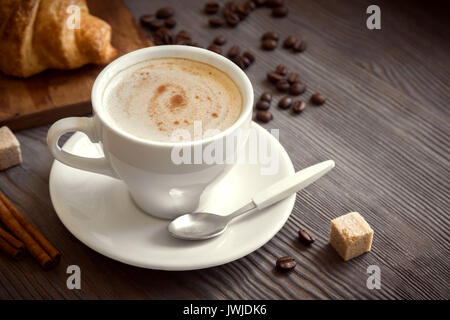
[
  {"x": 7, "y": 248},
  {"x": 11, "y": 240},
  {"x": 43, "y": 242},
  {"x": 10, "y": 245},
  {"x": 28, "y": 234}
]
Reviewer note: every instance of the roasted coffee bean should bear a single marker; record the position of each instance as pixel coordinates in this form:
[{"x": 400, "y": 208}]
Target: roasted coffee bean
[
  {"x": 249, "y": 56},
  {"x": 281, "y": 69},
  {"x": 216, "y": 22},
  {"x": 317, "y": 99},
  {"x": 298, "y": 106},
  {"x": 181, "y": 41},
  {"x": 194, "y": 44},
  {"x": 297, "y": 88},
  {"x": 289, "y": 42},
  {"x": 211, "y": 7},
  {"x": 220, "y": 40},
  {"x": 232, "y": 19},
  {"x": 285, "y": 264},
  {"x": 170, "y": 23},
  {"x": 299, "y": 46},
  {"x": 274, "y": 3},
  {"x": 274, "y": 77},
  {"x": 241, "y": 11},
  {"x": 183, "y": 34},
  {"x": 246, "y": 60},
  {"x": 146, "y": 19},
  {"x": 266, "y": 96},
  {"x": 269, "y": 44},
  {"x": 230, "y": 6},
  {"x": 282, "y": 85},
  {"x": 292, "y": 77},
  {"x": 263, "y": 116},
  {"x": 163, "y": 36},
  {"x": 215, "y": 48},
  {"x": 270, "y": 35},
  {"x": 263, "y": 105},
  {"x": 234, "y": 51},
  {"x": 304, "y": 236},
  {"x": 285, "y": 102},
  {"x": 155, "y": 25},
  {"x": 239, "y": 61},
  {"x": 249, "y": 6},
  {"x": 280, "y": 12},
  {"x": 259, "y": 3},
  {"x": 164, "y": 13}
]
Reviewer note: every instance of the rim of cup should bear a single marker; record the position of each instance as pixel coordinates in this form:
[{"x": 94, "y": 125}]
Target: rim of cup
[{"x": 172, "y": 51}]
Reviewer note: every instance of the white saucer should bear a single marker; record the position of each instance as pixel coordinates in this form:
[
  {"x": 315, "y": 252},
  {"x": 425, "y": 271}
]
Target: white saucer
[{"x": 99, "y": 212}]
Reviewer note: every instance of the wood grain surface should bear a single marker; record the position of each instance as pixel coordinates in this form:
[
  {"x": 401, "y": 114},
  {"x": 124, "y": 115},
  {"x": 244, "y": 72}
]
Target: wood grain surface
[
  {"x": 385, "y": 123},
  {"x": 55, "y": 94}
]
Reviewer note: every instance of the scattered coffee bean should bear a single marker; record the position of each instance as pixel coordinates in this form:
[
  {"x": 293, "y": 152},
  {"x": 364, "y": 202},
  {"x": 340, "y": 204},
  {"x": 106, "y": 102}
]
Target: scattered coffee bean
[
  {"x": 230, "y": 6},
  {"x": 259, "y": 3},
  {"x": 293, "y": 77},
  {"x": 232, "y": 19},
  {"x": 170, "y": 23},
  {"x": 146, "y": 19},
  {"x": 270, "y": 35},
  {"x": 249, "y": 56},
  {"x": 297, "y": 88},
  {"x": 266, "y": 96},
  {"x": 285, "y": 102},
  {"x": 249, "y": 5},
  {"x": 155, "y": 25},
  {"x": 299, "y": 46},
  {"x": 281, "y": 69},
  {"x": 183, "y": 34},
  {"x": 304, "y": 236},
  {"x": 246, "y": 60},
  {"x": 163, "y": 36},
  {"x": 269, "y": 44},
  {"x": 211, "y": 7},
  {"x": 263, "y": 116},
  {"x": 274, "y": 3},
  {"x": 289, "y": 42},
  {"x": 317, "y": 99},
  {"x": 285, "y": 264},
  {"x": 282, "y": 85},
  {"x": 274, "y": 77},
  {"x": 263, "y": 105},
  {"x": 164, "y": 13},
  {"x": 216, "y": 22},
  {"x": 239, "y": 62},
  {"x": 220, "y": 40},
  {"x": 215, "y": 48},
  {"x": 234, "y": 51},
  {"x": 280, "y": 12},
  {"x": 298, "y": 106},
  {"x": 241, "y": 11}
]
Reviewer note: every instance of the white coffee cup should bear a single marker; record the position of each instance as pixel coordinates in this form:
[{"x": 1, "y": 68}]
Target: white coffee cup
[{"x": 158, "y": 185}]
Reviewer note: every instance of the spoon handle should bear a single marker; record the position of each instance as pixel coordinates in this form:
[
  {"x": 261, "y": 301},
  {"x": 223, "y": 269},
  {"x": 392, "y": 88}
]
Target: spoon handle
[{"x": 292, "y": 184}]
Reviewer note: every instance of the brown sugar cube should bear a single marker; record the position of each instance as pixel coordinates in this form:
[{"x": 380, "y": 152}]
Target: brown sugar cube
[
  {"x": 10, "y": 154},
  {"x": 350, "y": 235}
]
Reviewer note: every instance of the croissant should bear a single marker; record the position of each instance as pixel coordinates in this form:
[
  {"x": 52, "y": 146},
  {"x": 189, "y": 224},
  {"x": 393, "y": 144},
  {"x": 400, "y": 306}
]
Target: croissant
[{"x": 44, "y": 34}]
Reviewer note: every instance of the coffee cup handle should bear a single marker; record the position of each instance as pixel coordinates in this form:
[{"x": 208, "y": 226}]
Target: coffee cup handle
[{"x": 85, "y": 125}]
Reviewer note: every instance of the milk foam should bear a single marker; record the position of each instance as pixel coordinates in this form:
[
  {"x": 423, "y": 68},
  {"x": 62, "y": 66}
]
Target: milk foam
[{"x": 154, "y": 98}]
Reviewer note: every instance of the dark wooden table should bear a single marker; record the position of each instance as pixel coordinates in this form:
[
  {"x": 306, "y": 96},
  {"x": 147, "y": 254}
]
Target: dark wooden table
[{"x": 386, "y": 124}]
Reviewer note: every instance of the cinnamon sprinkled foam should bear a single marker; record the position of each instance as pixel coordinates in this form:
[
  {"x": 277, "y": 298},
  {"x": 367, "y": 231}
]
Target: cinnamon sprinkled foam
[{"x": 154, "y": 98}]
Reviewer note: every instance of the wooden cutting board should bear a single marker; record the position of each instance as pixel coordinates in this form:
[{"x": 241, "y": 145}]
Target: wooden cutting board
[{"x": 55, "y": 94}]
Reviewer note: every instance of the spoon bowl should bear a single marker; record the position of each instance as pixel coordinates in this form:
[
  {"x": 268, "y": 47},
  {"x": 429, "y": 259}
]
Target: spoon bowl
[{"x": 201, "y": 225}]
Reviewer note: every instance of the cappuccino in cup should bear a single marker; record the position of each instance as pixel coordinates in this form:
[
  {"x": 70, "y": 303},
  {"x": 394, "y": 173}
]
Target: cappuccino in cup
[{"x": 156, "y": 98}]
